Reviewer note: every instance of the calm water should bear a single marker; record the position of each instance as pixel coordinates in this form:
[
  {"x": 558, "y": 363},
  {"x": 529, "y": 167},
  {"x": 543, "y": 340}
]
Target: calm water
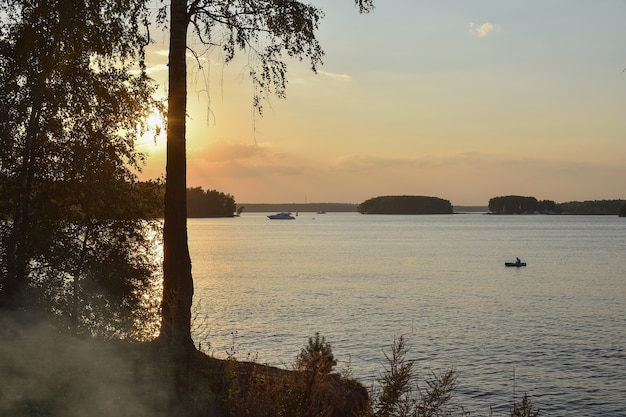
[{"x": 555, "y": 329}]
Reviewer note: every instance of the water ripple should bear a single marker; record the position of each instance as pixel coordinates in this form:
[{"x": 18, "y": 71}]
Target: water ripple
[{"x": 555, "y": 329}]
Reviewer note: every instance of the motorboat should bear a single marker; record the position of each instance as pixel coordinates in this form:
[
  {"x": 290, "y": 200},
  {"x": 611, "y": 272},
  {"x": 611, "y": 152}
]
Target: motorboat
[
  {"x": 517, "y": 264},
  {"x": 281, "y": 216}
]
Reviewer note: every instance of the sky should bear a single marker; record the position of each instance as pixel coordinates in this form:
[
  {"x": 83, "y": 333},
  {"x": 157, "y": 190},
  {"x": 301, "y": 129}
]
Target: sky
[{"x": 463, "y": 100}]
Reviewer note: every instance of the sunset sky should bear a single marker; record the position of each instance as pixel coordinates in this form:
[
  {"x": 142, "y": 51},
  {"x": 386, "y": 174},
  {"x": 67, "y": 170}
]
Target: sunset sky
[{"x": 462, "y": 100}]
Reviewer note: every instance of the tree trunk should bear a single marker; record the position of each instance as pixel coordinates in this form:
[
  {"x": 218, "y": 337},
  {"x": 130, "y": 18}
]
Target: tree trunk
[{"x": 177, "y": 279}]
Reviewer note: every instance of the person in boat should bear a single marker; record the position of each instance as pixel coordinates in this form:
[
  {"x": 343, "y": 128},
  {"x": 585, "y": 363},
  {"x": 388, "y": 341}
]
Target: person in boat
[{"x": 517, "y": 261}]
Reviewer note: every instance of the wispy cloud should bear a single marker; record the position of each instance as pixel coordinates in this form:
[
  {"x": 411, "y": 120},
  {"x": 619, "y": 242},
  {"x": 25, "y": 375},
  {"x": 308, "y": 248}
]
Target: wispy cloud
[
  {"x": 334, "y": 75},
  {"x": 372, "y": 163},
  {"x": 224, "y": 150},
  {"x": 242, "y": 160},
  {"x": 484, "y": 29}
]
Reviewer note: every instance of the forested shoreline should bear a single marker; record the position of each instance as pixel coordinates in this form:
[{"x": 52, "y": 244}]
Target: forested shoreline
[{"x": 514, "y": 204}]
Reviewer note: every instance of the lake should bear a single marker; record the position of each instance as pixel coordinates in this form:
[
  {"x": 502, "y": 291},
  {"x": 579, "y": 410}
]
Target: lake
[{"x": 555, "y": 329}]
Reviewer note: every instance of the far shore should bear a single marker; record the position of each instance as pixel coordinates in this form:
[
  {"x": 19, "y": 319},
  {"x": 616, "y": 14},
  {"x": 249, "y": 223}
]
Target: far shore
[{"x": 329, "y": 208}]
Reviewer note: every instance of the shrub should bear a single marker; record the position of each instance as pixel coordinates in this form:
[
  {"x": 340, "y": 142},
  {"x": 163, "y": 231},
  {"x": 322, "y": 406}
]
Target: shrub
[
  {"x": 399, "y": 395},
  {"x": 317, "y": 356},
  {"x": 524, "y": 408},
  {"x": 310, "y": 390}
]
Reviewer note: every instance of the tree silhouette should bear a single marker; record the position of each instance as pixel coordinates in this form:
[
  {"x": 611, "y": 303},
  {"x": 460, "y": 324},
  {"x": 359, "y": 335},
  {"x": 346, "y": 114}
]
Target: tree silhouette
[
  {"x": 68, "y": 121},
  {"x": 285, "y": 29}
]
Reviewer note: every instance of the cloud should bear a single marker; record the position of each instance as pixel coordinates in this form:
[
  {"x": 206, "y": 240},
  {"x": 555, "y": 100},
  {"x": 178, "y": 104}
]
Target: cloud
[
  {"x": 483, "y": 30},
  {"x": 334, "y": 75},
  {"x": 224, "y": 150},
  {"x": 371, "y": 163},
  {"x": 365, "y": 163},
  {"x": 228, "y": 159}
]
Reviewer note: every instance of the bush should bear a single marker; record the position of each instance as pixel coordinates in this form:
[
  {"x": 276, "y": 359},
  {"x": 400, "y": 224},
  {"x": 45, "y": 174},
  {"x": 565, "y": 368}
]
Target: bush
[
  {"x": 317, "y": 356},
  {"x": 524, "y": 408},
  {"x": 399, "y": 395},
  {"x": 310, "y": 390}
]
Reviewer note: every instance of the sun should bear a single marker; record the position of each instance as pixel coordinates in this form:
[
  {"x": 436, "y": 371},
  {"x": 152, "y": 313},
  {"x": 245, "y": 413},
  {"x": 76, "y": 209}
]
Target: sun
[
  {"x": 152, "y": 128},
  {"x": 155, "y": 120}
]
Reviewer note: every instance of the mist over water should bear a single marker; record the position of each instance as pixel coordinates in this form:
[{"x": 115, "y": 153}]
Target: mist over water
[{"x": 555, "y": 329}]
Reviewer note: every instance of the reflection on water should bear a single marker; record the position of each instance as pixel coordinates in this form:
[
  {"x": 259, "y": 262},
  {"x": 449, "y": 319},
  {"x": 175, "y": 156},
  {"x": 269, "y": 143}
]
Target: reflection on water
[
  {"x": 147, "y": 319},
  {"x": 559, "y": 325}
]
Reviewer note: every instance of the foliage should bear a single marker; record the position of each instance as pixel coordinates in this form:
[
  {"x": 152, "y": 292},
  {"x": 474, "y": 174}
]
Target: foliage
[
  {"x": 622, "y": 211},
  {"x": 71, "y": 110},
  {"x": 611, "y": 207},
  {"x": 266, "y": 31},
  {"x": 104, "y": 280},
  {"x": 514, "y": 204},
  {"x": 310, "y": 390},
  {"x": 400, "y": 395},
  {"x": 524, "y": 408},
  {"x": 209, "y": 203},
  {"x": 547, "y": 206},
  {"x": 94, "y": 263},
  {"x": 317, "y": 357},
  {"x": 405, "y": 205},
  {"x": 147, "y": 199}
]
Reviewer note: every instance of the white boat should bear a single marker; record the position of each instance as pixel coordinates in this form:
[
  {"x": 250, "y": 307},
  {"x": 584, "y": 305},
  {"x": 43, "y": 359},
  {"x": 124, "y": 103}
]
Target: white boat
[{"x": 281, "y": 216}]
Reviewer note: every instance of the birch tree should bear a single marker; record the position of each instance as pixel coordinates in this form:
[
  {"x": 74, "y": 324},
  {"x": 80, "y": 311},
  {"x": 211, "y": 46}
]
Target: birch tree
[
  {"x": 272, "y": 31},
  {"x": 71, "y": 101}
]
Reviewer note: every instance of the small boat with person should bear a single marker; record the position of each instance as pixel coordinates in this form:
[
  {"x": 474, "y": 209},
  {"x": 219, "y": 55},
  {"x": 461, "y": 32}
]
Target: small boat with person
[
  {"x": 517, "y": 263},
  {"x": 281, "y": 216}
]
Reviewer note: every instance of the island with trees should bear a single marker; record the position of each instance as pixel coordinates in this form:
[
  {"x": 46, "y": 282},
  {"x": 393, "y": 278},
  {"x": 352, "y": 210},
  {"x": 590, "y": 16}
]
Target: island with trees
[
  {"x": 515, "y": 204},
  {"x": 405, "y": 204},
  {"x": 609, "y": 207}
]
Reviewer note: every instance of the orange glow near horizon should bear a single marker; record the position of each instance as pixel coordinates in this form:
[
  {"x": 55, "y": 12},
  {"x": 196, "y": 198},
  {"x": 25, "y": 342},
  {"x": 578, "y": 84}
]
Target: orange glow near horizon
[{"x": 460, "y": 108}]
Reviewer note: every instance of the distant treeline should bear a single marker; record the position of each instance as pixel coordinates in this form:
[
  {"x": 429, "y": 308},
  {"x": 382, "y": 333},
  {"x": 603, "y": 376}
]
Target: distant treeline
[
  {"x": 299, "y": 207},
  {"x": 200, "y": 203},
  {"x": 209, "y": 203},
  {"x": 593, "y": 207},
  {"x": 515, "y": 204},
  {"x": 470, "y": 209},
  {"x": 330, "y": 208},
  {"x": 405, "y": 204},
  {"x": 212, "y": 203}
]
